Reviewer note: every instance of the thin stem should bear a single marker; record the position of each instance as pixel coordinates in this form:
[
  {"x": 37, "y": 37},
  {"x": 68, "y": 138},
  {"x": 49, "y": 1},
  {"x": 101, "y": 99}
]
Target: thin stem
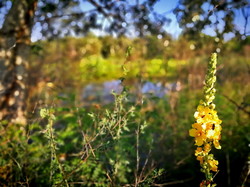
[
  {"x": 137, "y": 179},
  {"x": 53, "y": 154}
]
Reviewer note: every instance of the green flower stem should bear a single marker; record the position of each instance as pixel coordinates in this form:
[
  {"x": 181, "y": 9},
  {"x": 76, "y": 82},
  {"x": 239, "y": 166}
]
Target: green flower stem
[{"x": 210, "y": 79}]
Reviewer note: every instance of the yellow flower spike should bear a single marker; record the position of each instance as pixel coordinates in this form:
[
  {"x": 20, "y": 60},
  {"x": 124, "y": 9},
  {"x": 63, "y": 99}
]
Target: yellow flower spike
[{"x": 207, "y": 129}]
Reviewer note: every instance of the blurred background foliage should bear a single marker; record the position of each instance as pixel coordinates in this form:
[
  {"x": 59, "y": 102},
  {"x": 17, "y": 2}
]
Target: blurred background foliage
[
  {"x": 60, "y": 70},
  {"x": 137, "y": 139}
]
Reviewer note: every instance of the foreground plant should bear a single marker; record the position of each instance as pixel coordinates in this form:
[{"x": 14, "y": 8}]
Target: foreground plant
[{"x": 207, "y": 129}]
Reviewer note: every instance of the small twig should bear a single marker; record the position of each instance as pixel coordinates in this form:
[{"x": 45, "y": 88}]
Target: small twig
[
  {"x": 182, "y": 161},
  {"x": 107, "y": 15},
  {"x": 47, "y": 19},
  {"x": 109, "y": 178},
  {"x": 99, "y": 7},
  {"x": 216, "y": 6},
  {"x": 53, "y": 153},
  {"x": 245, "y": 179},
  {"x": 228, "y": 169},
  {"x": 83, "y": 135},
  {"x": 237, "y": 105},
  {"x": 215, "y": 175},
  {"x": 17, "y": 163},
  {"x": 143, "y": 169},
  {"x": 173, "y": 182},
  {"x": 77, "y": 183},
  {"x": 137, "y": 156}
]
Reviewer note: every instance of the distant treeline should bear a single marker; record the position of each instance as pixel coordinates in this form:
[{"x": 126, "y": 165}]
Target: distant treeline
[{"x": 146, "y": 48}]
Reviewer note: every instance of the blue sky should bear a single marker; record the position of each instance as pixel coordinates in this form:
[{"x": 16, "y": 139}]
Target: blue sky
[
  {"x": 162, "y": 6},
  {"x": 166, "y": 7},
  {"x": 174, "y": 29}
]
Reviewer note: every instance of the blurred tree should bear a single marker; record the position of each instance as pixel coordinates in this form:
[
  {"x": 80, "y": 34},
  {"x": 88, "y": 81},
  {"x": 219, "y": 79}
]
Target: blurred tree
[
  {"x": 57, "y": 19},
  {"x": 155, "y": 46},
  {"x": 14, "y": 51},
  {"x": 195, "y": 16}
]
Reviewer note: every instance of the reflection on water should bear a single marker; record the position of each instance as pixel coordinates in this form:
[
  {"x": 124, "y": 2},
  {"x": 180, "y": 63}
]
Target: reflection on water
[{"x": 102, "y": 92}]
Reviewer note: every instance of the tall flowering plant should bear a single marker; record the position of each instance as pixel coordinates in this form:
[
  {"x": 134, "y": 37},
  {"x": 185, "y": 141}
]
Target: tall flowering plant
[{"x": 207, "y": 129}]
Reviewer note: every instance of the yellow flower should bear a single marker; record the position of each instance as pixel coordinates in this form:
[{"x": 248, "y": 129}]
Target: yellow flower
[
  {"x": 198, "y": 133},
  {"x": 207, "y": 148},
  {"x": 198, "y": 151},
  {"x": 206, "y": 115},
  {"x": 210, "y": 134},
  {"x": 200, "y": 158},
  {"x": 213, "y": 165},
  {"x": 217, "y": 128},
  {"x": 203, "y": 114},
  {"x": 216, "y": 144}
]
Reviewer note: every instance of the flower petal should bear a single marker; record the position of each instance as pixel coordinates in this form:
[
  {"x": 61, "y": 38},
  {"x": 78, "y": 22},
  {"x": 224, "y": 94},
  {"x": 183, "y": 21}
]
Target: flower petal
[{"x": 192, "y": 132}]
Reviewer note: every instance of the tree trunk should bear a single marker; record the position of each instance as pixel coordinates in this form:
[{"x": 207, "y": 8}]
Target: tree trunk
[{"x": 15, "y": 37}]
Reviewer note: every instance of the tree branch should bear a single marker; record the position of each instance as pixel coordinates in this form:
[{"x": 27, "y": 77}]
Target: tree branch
[
  {"x": 99, "y": 8},
  {"x": 237, "y": 105},
  {"x": 46, "y": 19},
  {"x": 173, "y": 182}
]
